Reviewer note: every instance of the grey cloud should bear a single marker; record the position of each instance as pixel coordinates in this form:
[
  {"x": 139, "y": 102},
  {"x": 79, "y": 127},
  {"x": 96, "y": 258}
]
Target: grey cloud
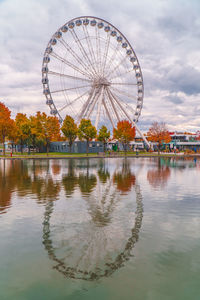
[
  {"x": 164, "y": 35},
  {"x": 174, "y": 99},
  {"x": 184, "y": 78}
]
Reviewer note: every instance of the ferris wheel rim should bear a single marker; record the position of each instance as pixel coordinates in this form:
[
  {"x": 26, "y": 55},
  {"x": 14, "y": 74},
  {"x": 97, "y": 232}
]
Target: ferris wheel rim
[{"x": 49, "y": 100}]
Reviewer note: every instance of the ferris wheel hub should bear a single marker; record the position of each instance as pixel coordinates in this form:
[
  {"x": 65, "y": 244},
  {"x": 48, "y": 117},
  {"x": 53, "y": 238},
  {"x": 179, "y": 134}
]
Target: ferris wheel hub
[{"x": 101, "y": 81}]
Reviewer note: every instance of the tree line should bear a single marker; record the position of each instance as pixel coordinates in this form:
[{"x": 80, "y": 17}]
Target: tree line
[{"x": 39, "y": 130}]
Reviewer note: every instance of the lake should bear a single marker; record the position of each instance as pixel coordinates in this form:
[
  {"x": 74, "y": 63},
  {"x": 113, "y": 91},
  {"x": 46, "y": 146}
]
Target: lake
[{"x": 113, "y": 228}]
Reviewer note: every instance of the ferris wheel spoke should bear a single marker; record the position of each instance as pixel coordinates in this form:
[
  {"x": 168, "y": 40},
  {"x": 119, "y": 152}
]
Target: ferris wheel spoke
[
  {"x": 112, "y": 59},
  {"x": 117, "y": 66},
  {"x": 78, "y": 59},
  {"x": 121, "y": 74},
  {"x": 72, "y": 102},
  {"x": 84, "y": 53},
  {"x": 90, "y": 47},
  {"x": 120, "y": 83},
  {"x": 70, "y": 65},
  {"x": 124, "y": 93},
  {"x": 106, "y": 52},
  {"x": 68, "y": 76},
  {"x": 98, "y": 47},
  {"x": 69, "y": 89}
]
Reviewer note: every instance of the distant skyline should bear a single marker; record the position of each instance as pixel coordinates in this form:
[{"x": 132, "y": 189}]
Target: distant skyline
[{"x": 165, "y": 35}]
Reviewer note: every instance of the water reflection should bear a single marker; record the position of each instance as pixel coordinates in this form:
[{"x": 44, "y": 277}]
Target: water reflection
[
  {"x": 70, "y": 180},
  {"x": 158, "y": 177},
  {"x": 93, "y": 210},
  {"x": 124, "y": 178},
  {"x": 94, "y": 241}
]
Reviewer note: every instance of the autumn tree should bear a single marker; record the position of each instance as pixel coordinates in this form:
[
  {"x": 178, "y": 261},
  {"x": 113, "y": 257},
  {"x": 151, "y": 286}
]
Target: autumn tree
[
  {"x": 158, "y": 133},
  {"x": 6, "y": 124},
  {"x": 124, "y": 133},
  {"x": 86, "y": 131},
  {"x": 12, "y": 135},
  {"x": 70, "y": 130},
  {"x": 103, "y": 135},
  {"x": 22, "y": 129},
  {"x": 47, "y": 129}
]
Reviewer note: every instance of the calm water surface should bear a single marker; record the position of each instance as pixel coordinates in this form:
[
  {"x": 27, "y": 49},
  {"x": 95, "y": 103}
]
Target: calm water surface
[{"x": 100, "y": 229}]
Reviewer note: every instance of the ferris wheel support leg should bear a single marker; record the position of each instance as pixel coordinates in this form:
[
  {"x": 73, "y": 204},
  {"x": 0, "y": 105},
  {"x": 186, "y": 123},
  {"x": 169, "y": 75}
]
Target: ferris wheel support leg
[
  {"x": 108, "y": 114},
  {"x": 141, "y": 134},
  {"x": 111, "y": 101},
  {"x": 99, "y": 108},
  {"x": 85, "y": 107},
  {"x": 95, "y": 99},
  {"x": 133, "y": 123}
]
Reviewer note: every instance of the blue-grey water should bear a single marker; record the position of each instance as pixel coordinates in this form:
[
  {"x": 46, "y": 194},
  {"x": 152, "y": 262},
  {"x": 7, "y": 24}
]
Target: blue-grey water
[{"x": 118, "y": 228}]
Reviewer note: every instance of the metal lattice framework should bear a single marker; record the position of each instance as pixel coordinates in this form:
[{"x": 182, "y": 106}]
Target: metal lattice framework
[{"x": 90, "y": 70}]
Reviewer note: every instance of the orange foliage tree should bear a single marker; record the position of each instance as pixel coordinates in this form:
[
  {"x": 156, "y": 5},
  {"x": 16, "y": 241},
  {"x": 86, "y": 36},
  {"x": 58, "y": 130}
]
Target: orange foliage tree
[
  {"x": 47, "y": 129},
  {"x": 124, "y": 133},
  {"x": 6, "y": 124},
  {"x": 158, "y": 133}
]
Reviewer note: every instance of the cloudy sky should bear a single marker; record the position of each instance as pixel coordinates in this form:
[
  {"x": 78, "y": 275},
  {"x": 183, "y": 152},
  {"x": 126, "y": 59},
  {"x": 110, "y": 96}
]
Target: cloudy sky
[{"x": 164, "y": 33}]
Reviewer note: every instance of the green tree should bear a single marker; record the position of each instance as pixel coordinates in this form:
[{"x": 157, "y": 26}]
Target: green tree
[
  {"x": 22, "y": 129},
  {"x": 70, "y": 130},
  {"x": 103, "y": 136},
  {"x": 86, "y": 131}
]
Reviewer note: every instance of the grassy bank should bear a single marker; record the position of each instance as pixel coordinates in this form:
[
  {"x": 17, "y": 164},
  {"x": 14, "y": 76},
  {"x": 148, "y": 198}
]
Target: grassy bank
[{"x": 90, "y": 155}]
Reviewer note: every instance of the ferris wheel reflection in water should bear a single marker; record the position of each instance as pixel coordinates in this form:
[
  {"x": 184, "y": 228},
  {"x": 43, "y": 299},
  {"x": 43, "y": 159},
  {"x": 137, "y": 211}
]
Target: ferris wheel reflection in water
[{"x": 93, "y": 239}]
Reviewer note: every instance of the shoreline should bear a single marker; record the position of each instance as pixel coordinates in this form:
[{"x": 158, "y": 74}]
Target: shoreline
[{"x": 96, "y": 156}]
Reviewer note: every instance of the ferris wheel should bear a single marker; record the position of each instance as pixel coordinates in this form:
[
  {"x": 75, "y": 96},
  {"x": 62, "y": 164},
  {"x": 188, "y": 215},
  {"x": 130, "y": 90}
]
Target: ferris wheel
[{"x": 90, "y": 70}]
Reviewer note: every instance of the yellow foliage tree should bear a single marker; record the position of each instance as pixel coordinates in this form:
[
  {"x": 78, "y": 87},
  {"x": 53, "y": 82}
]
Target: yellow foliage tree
[{"x": 6, "y": 124}]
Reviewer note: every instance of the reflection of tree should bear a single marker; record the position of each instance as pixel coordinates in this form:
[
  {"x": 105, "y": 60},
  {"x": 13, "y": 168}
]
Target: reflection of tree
[
  {"x": 103, "y": 172},
  {"x": 56, "y": 168},
  {"x": 70, "y": 180},
  {"x": 10, "y": 180},
  {"x": 87, "y": 251},
  {"x": 45, "y": 189},
  {"x": 124, "y": 179},
  {"x": 42, "y": 184},
  {"x": 158, "y": 177},
  {"x": 27, "y": 180},
  {"x": 5, "y": 190},
  {"x": 86, "y": 183}
]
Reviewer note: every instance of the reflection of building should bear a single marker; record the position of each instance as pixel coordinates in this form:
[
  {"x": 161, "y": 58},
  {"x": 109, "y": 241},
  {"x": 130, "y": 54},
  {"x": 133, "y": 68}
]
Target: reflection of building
[{"x": 160, "y": 175}]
